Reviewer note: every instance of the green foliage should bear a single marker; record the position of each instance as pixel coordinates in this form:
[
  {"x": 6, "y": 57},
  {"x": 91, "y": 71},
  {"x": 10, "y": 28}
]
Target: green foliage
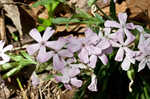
[
  {"x": 15, "y": 37},
  {"x": 86, "y": 18},
  {"x": 50, "y": 5},
  {"x": 91, "y": 2},
  {"x": 17, "y": 64},
  {"x": 44, "y": 66},
  {"x": 61, "y": 20},
  {"x": 46, "y": 2}
]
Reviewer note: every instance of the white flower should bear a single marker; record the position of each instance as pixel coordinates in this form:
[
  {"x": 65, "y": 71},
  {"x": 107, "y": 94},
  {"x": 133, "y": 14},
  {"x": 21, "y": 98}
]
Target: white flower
[{"x": 4, "y": 58}]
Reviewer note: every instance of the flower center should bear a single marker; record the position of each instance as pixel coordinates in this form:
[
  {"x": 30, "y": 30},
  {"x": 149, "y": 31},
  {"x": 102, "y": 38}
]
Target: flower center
[{"x": 43, "y": 43}]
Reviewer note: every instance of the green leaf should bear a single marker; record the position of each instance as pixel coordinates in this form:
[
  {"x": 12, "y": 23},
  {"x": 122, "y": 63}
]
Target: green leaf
[
  {"x": 12, "y": 72},
  {"x": 16, "y": 58},
  {"x": 142, "y": 96},
  {"x": 61, "y": 20},
  {"x": 130, "y": 74},
  {"x": 41, "y": 28},
  {"x": 91, "y": 2},
  {"x": 146, "y": 93},
  {"x": 7, "y": 66},
  {"x": 27, "y": 56},
  {"x": 82, "y": 14},
  {"x": 47, "y": 22},
  {"x": 100, "y": 18},
  {"x": 42, "y": 2},
  {"x": 25, "y": 62},
  {"x": 49, "y": 77},
  {"x": 14, "y": 36}
]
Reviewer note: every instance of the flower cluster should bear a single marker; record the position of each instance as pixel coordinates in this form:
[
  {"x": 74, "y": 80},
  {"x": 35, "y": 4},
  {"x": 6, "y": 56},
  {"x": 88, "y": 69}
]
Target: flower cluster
[{"x": 71, "y": 54}]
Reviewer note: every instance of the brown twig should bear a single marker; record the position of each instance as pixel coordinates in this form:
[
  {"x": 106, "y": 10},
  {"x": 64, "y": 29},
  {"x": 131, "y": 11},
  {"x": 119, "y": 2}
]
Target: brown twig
[
  {"x": 2, "y": 26},
  {"x": 13, "y": 3}
]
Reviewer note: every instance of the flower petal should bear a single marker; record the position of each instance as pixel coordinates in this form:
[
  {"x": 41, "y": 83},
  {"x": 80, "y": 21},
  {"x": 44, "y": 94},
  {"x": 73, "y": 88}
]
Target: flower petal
[
  {"x": 73, "y": 72},
  {"x": 67, "y": 86},
  {"x": 89, "y": 33},
  {"x": 83, "y": 55},
  {"x": 56, "y": 45},
  {"x": 7, "y": 48},
  {"x": 48, "y": 33},
  {"x": 122, "y": 18},
  {"x": 74, "y": 45},
  {"x": 58, "y": 63},
  {"x": 130, "y": 37},
  {"x": 96, "y": 50},
  {"x": 108, "y": 50},
  {"x": 120, "y": 36},
  {"x": 35, "y": 35},
  {"x": 71, "y": 60},
  {"x": 65, "y": 79},
  {"x": 139, "y": 28},
  {"x": 107, "y": 31},
  {"x": 104, "y": 59},
  {"x": 141, "y": 42},
  {"x": 76, "y": 82},
  {"x": 142, "y": 65},
  {"x": 5, "y": 58},
  {"x": 115, "y": 44},
  {"x": 93, "y": 85},
  {"x": 35, "y": 79},
  {"x": 125, "y": 64},
  {"x": 65, "y": 53},
  {"x": 91, "y": 36},
  {"x": 81, "y": 66},
  {"x": 31, "y": 49},
  {"x": 120, "y": 54},
  {"x": 93, "y": 60},
  {"x": 43, "y": 56},
  {"x": 148, "y": 65},
  {"x": 110, "y": 24},
  {"x": 1, "y": 45},
  {"x": 130, "y": 26},
  {"x": 103, "y": 44}
]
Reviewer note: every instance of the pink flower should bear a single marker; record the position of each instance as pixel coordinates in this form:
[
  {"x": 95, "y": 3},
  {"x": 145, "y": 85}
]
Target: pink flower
[
  {"x": 58, "y": 53},
  {"x": 104, "y": 45},
  {"x": 35, "y": 80},
  {"x": 85, "y": 46},
  {"x": 119, "y": 35},
  {"x": 5, "y": 58},
  {"x": 43, "y": 42},
  {"x": 144, "y": 48},
  {"x": 130, "y": 57},
  {"x": 93, "y": 85},
  {"x": 123, "y": 28},
  {"x": 69, "y": 72}
]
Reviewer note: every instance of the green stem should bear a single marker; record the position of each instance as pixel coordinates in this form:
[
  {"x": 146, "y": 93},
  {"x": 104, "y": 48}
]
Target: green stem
[
  {"x": 19, "y": 83},
  {"x": 21, "y": 88},
  {"x": 106, "y": 16},
  {"x": 112, "y": 9}
]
